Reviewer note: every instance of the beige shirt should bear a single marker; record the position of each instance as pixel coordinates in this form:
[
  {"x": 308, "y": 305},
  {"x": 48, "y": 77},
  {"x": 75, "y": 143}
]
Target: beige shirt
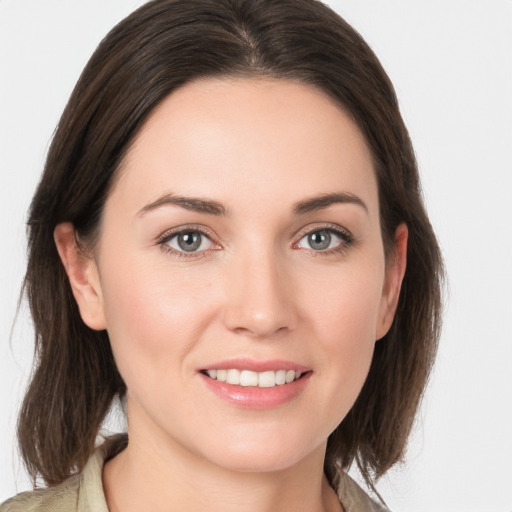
[{"x": 84, "y": 492}]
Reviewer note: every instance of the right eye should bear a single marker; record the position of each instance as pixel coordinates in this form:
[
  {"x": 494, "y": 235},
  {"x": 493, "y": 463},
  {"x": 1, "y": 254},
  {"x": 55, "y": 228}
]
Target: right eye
[{"x": 188, "y": 241}]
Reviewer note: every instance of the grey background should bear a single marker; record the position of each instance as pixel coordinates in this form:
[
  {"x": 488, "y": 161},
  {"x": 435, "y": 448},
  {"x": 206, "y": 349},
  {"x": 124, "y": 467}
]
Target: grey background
[{"x": 451, "y": 63}]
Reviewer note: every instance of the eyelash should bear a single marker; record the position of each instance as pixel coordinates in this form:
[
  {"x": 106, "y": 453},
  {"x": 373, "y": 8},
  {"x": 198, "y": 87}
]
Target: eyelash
[
  {"x": 347, "y": 240},
  {"x": 166, "y": 237}
]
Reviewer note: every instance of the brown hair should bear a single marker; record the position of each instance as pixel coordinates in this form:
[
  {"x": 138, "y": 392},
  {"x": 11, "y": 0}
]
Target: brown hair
[{"x": 158, "y": 48}]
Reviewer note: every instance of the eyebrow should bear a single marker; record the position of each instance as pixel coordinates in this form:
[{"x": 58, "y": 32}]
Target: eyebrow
[
  {"x": 195, "y": 204},
  {"x": 326, "y": 200},
  {"x": 211, "y": 207}
]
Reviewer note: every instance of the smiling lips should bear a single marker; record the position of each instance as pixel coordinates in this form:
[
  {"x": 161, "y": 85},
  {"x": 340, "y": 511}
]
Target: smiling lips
[
  {"x": 256, "y": 384},
  {"x": 266, "y": 379}
]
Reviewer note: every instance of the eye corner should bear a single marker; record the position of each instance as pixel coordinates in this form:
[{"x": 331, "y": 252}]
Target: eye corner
[
  {"x": 334, "y": 239},
  {"x": 204, "y": 242}
]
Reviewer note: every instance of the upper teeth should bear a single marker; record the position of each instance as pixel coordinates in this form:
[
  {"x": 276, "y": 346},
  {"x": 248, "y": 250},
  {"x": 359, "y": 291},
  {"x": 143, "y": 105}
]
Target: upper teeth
[{"x": 267, "y": 379}]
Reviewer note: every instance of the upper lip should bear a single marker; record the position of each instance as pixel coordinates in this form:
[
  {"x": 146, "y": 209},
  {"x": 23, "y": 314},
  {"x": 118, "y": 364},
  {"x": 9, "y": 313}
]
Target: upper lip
[{"x": 257, "y": 366}]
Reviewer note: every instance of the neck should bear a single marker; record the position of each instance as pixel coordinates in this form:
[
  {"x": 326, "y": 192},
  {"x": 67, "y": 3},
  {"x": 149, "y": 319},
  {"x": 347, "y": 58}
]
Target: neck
[{"x": 156, "y": 473}]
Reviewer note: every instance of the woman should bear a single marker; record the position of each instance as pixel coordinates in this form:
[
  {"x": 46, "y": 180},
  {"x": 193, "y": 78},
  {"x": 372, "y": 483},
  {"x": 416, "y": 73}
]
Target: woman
[{"x": 228, "y": 236}]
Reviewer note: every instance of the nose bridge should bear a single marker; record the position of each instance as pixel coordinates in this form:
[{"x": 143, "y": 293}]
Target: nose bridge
[{"x": 259, "y": 301}]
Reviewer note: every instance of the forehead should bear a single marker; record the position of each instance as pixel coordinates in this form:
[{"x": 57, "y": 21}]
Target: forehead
[{"x": 261, "y": 136}]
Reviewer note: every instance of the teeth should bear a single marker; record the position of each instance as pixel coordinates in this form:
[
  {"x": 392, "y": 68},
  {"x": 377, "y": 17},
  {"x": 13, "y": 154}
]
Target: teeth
[
  {"x": 266, "y": 379},
  {"x": 248, "y": 378},
  {"x": 245, "y": 378},
  {"x": 233, "y": 377},
  {"x": 281, "y": 377}
]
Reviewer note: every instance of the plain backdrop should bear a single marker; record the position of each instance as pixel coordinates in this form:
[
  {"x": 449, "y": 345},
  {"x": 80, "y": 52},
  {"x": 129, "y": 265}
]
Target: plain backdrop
[{"x": 451, "y": 63}]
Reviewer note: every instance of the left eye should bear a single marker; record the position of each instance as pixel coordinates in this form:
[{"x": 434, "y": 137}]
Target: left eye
[
  {"x": 189, "y": 241},
  {"x": 321, "y": 240}
]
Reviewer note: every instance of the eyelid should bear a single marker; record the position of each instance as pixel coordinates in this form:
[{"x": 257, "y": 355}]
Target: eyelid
[
  {"x": 169, "y": 234},
  {"x": 343, "y": 232},
  {"x": 347, "y": 237}
]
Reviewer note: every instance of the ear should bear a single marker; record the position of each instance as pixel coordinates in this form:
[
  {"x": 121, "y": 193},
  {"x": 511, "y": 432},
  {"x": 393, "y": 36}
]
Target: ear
[
  {"x": 395, "y": 271},
  {"x": 83, "y": 276}
]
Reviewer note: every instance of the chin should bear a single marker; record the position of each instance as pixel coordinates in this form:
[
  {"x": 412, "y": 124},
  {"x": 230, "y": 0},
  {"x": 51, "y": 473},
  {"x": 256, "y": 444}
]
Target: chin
[{"x": 262, "y": 454}]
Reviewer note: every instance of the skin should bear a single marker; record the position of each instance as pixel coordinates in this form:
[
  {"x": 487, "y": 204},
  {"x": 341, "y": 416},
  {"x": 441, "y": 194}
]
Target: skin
[{"x": 256, "y": 288}]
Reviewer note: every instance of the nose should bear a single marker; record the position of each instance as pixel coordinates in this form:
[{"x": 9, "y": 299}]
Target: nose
[{"x": 259, "y": 296}]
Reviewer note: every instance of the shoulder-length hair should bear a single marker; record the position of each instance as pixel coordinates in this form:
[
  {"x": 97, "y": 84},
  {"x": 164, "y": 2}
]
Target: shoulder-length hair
[{"x": 160, "y": 47}]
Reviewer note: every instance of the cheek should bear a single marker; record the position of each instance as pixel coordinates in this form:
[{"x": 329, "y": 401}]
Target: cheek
[
  {"x": 344, "y": 320},
  {"x": 153, "y": 316},
  {"x": 347, "y": 307}
]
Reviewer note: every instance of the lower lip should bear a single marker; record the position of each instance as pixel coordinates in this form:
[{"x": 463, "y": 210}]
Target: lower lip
[{"x": 254, "y": 397}]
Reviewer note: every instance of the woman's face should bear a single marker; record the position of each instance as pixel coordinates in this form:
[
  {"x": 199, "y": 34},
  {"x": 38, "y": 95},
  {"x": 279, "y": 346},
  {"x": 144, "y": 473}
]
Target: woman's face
[{"x": 241, "y": 241}]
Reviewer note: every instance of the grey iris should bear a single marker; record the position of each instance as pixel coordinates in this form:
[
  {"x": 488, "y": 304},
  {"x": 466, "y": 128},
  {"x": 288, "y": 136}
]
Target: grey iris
[
  {"x": 190, "y": 241},
  {"x": 319, "y": 240}
]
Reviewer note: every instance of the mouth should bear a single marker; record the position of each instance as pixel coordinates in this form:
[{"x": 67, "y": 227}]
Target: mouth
[
  {"x": 249, "y": 378},
  {"x": 257, "y": 385}
]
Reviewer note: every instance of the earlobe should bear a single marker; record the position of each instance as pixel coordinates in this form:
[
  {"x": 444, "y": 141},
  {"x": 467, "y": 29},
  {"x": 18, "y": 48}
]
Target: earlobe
[
  {"x": 83, "y": 276},
  {"x": 395, "y": 271}
]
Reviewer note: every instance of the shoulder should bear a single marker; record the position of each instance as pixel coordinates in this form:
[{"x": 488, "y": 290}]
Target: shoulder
[
  {"x": 353, "y": 498},
  {"x": 61, "y": 498},
  {"x": 82, "y": 492}
]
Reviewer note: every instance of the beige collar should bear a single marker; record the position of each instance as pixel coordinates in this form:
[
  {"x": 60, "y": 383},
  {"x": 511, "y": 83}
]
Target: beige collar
[{"x": 91, "y": 497}]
